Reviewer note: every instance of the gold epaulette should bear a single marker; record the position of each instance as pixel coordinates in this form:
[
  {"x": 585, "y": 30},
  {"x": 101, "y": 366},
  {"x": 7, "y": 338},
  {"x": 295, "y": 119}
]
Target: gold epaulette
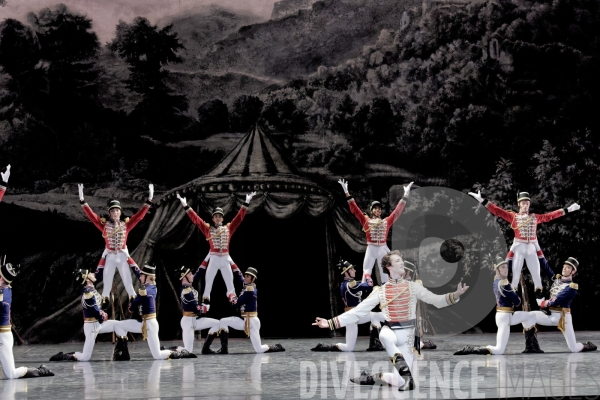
[
  {"x": 187, "y": 290},
  {"x": 352, "y": 284},
  {"x": 229, "y": 223},
  {"x": 207, "y": 224},
  {"x": 249, "y": 288},
  {"x": 103, "y": 221},
  {"x": 503, "y": 282},
  {"x": 557, "y": 276},
  {"x": 142, "y": 292},
  {"x": 420, "y": 282},
  {"x": 573, "y": 285},
  {"x": 127, "y": 220},
  {"x": 88, "y": 295}
]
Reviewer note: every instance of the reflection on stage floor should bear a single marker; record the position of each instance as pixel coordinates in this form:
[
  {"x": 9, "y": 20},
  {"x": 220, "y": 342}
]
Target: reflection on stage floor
[{"x": 300, "y": 373}]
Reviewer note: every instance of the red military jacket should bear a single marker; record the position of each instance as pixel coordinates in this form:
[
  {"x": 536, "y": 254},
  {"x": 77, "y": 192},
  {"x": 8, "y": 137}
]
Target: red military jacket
[
  {"x": 376, "y": 229},
  {"x": 524, "y": 225},
  {"x": 218, "y": 238},
  {"x": 2, "y": 190},
  {"x": 115, "y": 235}
]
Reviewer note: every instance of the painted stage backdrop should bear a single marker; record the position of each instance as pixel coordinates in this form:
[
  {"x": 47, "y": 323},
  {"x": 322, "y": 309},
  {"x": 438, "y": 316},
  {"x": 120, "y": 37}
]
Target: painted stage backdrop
[{"x": 213, "y": 100}]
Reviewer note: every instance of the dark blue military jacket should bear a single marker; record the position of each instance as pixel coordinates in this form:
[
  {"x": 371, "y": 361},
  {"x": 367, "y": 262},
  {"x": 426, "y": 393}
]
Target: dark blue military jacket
[
  {"x": 145, "y": 304},
  {"x": 510, "y": 298},
  {"x": 5, "y": 305},
  {"x": 352, "y": 292},
  {"x": 248, "y": 299},
  {"x": 91, "y": 302}
]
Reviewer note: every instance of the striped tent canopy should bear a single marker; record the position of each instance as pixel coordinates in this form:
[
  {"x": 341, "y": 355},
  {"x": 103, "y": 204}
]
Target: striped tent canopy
[{"x": 255, "y": 164}]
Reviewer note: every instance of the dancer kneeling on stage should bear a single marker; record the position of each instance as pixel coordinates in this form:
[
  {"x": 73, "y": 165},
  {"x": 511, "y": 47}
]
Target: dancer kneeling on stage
[
  {"x": 562, "y": 293},
  {"x": 506, "y": 301},
  {"x": 352, "y": 292},
  {"x": 143, "y": 309},
  {"x": 194, "y": 314},
  {"x": 248, "y": 322},
  {"x": 7, "y": 274},
  {"x": 95, "y": 320},
  {"x": 397, "y": 299}
]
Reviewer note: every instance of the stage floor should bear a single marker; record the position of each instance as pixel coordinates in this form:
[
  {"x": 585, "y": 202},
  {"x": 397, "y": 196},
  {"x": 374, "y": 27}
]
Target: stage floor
[{"x": 300, "y": 373}]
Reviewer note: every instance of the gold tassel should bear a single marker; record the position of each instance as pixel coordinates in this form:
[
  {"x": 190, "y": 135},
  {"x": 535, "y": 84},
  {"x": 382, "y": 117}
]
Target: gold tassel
[
  {"x": 144, "y": 331},
  {"x": 247, "y": 326},
  {"x": 561, "y": 321}
]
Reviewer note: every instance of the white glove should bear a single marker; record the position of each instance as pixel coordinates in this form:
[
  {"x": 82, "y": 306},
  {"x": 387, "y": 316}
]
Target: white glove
[
  {"x": 477, "y": 196},
  {"x": 6, "y": 175},
  {"x": 151, "y": 195},
  {"x": 344, "y": 185},
  {"x": 80, "y": 186},
  {"x": 539, "y": 301},
  {"x": 407, "y": 189},
  {"x": 571, "y": 208},
  {"x": 182, "y": 200},
  {"x": 250, "y": 196}
]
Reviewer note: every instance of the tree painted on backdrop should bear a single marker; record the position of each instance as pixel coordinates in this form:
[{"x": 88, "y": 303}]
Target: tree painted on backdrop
[{"x": 148, "y": 50}]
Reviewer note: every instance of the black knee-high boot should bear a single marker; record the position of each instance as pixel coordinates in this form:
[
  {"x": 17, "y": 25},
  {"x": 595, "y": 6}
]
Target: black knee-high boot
[
  {"x": 121, "y": 351},
  {"x": 531, "y": 342},
  {"x": 374, "y": 342},
  {"x": 209, "y": 339},
  {"x": 404, "y": 370},
  {"x": 224, "y": 337},
  {"x": 38, "y": 372}
]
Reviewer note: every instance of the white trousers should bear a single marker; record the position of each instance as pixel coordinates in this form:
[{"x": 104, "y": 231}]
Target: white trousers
[
  {"x": 376, "y": 319},
  {"x": 114, "y": 262},
  {"x": 131, "y": 325},
  {"x": 569, "y": 333},
  {"x": 89, "y": 379},
  {"x": 91, "y": 330},
  {"x": 238, "y": 324},
  {"x": 223, "y": 264},
  {"x": 7, "y": 359},
  {"x": 526, "y": 252},
  {"x": 375, "y": 253},
  {"x": 397, "y": 341},
  {"x": 189, "y": 325},
  {"x": 256, "y": 370},
  {"x": 503, "y": 322},
  {"x": 352, "y": 334}
]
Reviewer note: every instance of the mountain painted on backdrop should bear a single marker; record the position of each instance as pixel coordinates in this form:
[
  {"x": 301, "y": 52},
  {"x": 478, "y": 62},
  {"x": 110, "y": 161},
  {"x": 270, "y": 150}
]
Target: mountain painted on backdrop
[
  {"x": 198, "y": 32},
  {"x": 328, "y": 34}
]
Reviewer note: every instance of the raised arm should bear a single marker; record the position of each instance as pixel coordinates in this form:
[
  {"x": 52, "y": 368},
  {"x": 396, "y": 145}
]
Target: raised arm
[
  {"x": 138, "y": 216},
  {"x": 91, "y": 215},
  {"x": 237, "y": 220},
  {"x": 199, "y": 222},
  {"x": 4, "y": 183},
  {"x": 494, "y": 209},
  {"x": 545, "y": 268},
  {"x": 354, "y": 209},
  {"x": 393, "y": 217}
]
